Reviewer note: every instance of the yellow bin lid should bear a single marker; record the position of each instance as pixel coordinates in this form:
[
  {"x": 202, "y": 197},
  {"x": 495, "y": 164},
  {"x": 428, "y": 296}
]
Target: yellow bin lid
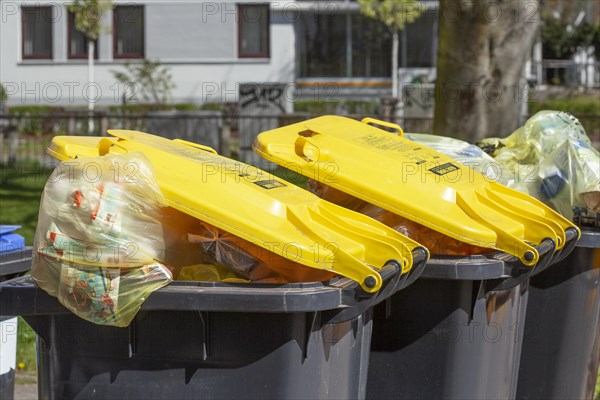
[
  {"x": 257, "y": 206},
  {"x": 416, "y": 182}
]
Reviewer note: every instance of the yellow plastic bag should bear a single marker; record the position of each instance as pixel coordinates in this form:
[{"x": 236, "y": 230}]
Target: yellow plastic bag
[
  {"x": 207, "y": 273},
  {"x": 552, "y": 158},
  {"x": 109, "y": 296}
]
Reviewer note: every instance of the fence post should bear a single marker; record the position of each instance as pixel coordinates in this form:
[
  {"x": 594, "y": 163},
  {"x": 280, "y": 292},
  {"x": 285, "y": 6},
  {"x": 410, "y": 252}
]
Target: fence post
[
  {"x": 103, "y": 125},
  {"x": 13, "y": 144},
  {"x": 2, "y": 146},
  {"x": 71, "y": 125},
  {"x": 225, "y": 149}
]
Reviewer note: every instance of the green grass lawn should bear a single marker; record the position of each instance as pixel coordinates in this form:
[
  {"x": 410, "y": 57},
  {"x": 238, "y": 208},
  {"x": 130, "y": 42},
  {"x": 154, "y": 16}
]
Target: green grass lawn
[{"x": 21, "y": 186}]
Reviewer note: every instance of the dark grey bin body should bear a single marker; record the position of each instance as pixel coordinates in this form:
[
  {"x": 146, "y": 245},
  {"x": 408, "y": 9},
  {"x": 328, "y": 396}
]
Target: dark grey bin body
[
  {"x": 561, "y": 348},
  {"x": 12, "y": 264},
  {"x": 456, "y": 333},
  {"x": 215, "y": 341},
  {"x": 177, "y": 355}
]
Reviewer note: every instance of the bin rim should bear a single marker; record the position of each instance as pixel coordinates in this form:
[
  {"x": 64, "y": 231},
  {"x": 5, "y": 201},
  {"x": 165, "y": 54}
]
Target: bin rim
[
  {"x": 505, "y": 271},
  {"x": 15, "y": 261},
  {"x": 341, "y": 298},
  {"x": 475, "y": 267},
  {"x": 589, "y": 238}
]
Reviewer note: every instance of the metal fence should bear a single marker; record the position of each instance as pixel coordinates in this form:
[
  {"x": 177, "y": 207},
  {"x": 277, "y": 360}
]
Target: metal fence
[
  {"x": 566, "y": 73},
  {"x": 26, "y": 137}
]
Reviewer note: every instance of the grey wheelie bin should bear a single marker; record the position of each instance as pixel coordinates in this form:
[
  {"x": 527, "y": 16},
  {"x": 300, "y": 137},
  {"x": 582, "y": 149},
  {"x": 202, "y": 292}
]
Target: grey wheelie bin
[
  {"x": 456, "y": 333},
  {"x": 212, "y": 340},
  {"x": 561, "y": 344}
]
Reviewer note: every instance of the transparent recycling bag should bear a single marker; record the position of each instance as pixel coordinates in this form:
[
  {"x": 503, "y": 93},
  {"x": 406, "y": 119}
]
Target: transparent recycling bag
[
  {"x": 99, "y": 237},
  {"x": 465, "y": 153}
]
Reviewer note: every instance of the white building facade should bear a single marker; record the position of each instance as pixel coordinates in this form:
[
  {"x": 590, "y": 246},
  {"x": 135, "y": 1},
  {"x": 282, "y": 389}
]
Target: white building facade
[{"x": 210, "y": 48}]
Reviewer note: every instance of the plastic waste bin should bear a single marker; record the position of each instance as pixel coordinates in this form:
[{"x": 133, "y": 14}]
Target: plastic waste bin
[
  {"x": 456, "y": 333},
  {"x": 218, "y": 340},
  {"x": 15, "y": 259},
  {"x": 561, "y": 345}
]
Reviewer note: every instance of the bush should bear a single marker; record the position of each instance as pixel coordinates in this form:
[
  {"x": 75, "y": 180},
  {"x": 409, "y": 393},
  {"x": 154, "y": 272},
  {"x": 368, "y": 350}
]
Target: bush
[
  {"x": 349, "y": 107},
  {"x": 560, "y": 40},
  {"x": 33, "y": 110},
  {"x": 213, "y": 106},
  {"x": 37, "y": 120},
  {"x": 185, "y": 107},
  {"x": 361, "y": 107},
  {"x": 316, "y": 107},
  {"x": 149, "y": 80},
  {"x": 3, "y": 94},
  {"x": 574, "y": 105},
  {"x": 143, "y": 108}
]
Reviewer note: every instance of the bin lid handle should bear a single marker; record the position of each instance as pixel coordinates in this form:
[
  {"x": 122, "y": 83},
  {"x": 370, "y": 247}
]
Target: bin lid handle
[{"x": 391, "y": 125}]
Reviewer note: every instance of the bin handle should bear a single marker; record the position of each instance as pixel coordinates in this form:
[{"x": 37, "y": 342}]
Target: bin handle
[
  {"x": 196, "y": 145},
  {"x": 393, "y": 280},
  {"x": 391, "y": 125},
  {"x": 105, "y": 145},
  {"x": 420, "y": 258},
  {"x": 518, "y": 272},
  {"x": 571, "y": 235},
  {"x": 392, "y": 269}
]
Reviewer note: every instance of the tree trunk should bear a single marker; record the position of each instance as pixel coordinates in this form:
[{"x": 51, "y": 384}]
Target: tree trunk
[{"x": 482, "y": 51}]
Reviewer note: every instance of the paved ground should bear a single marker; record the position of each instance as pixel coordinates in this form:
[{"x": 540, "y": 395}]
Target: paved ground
[{"x": 26, "y": 387}]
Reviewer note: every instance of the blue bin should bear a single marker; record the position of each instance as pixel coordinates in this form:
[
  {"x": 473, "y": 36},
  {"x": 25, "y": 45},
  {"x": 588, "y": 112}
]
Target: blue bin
[{"x": 10, "y": 241}]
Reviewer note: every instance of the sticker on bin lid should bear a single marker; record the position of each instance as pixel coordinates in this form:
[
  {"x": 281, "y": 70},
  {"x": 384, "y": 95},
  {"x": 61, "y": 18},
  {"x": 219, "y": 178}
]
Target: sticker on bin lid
[
  {"x": 444, "y": 169},
  {"x": 416, "y": 182},
  {"x": 10, "y": 241},
  {"x": 270, "y": 184}
]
